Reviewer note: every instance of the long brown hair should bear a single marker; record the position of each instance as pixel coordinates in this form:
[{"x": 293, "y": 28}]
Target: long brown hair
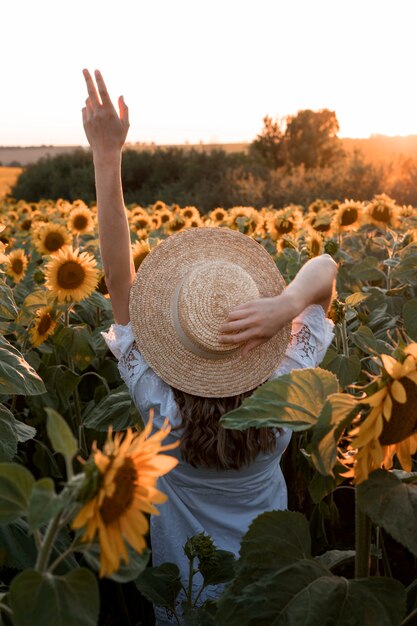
[{"x": 204, "y": 442}]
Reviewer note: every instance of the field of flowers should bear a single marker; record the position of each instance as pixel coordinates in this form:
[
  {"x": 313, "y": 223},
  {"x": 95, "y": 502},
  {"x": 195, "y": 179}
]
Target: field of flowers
[{"x": 74, "y": 454}]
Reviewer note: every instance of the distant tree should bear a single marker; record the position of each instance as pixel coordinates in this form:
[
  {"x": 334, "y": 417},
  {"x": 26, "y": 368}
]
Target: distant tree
[
  {"x": 311, "y": 138},
  {"x": 269, "y": 145}
]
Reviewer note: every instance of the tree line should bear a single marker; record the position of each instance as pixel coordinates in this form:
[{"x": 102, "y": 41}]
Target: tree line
[{"x": 291, "y": 161}]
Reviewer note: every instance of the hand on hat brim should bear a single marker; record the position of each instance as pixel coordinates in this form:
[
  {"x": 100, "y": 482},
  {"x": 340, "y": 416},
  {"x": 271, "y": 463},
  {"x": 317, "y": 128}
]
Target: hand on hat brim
[{"x": 257, "y": 321}]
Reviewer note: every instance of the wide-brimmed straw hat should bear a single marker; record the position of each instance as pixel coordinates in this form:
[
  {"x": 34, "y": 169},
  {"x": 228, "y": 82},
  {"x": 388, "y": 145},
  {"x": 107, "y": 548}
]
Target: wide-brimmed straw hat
[{"x": 183, "y": 292}]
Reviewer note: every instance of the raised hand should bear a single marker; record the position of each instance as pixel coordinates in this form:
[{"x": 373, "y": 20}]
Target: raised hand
[
  {"x": 106, "y": 130},
  {"x": 257, "y": 321}
]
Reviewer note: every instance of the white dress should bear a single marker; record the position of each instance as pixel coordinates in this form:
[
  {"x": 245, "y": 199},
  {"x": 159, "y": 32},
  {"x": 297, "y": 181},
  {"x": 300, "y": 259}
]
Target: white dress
[{"x": 221, "y": 503}]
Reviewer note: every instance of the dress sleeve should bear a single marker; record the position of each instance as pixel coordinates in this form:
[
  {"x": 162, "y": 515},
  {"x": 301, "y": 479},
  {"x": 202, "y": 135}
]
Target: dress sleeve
[
  {"x": 311, "y": 335},
  {"x": 147, "y": 389}
]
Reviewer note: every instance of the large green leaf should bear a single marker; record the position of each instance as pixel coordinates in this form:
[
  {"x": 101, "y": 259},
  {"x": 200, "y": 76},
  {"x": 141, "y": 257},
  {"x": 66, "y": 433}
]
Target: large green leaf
[
  {"x": 161, "y": 585},
  {"x": 337, "y": 413},
  {"x": 16, "y": 483},
  {"x": 11, "y": 433},
  {"x": 219, "y": 568},
  {"x": 8, "y": 310},
  {"x": 278, "y": 583},
  {"x": 115, "y": 409},
  {"x": 367, "y": 270},
  {"x": 16, "y": 375},
  {"x": 391, "y": 504},
  {"x": 346, "y": 368},
  {"x": 293, "y": 400},
  {"x": 71, "y": 600},
  {"x": 77, "y": 342}
]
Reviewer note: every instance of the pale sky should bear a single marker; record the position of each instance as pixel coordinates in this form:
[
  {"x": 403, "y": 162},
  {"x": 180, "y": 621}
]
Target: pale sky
[{"x": 207, "y": 70}]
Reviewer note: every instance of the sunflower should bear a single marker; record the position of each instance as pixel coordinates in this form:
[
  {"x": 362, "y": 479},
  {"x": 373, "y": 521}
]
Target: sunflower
[
  {"x": 321, "y": 221},
  {"x": 383, "y": 211},
  {"x": 159, "y": 206},
  {"x": 349, "y": 215},
  {"x": 16, "y": 264},
  {"x": 80, "y": 221},
  {"x": 71, "y": 275},
  {"x": 139, "y": 251},
  {"x": 165, "y": 216},
  {"x": 3, "y": 257},
  {"x": 314, "y": 243},
  {"x": 49, "y": 238},
  {"x": 141, "y": 222},
  {"x": 191, "y": 213},
  {"x": 218, "y": 216},
  {"x": 246, "y": 219},
  {"x": 176, "y": 223},
  {"x": 126, "y": 473},
  {"x": 44, "y": 326},
  {"x": 287, "y": 221},
  {"x": 390, "y": 428},
  {"x": 155, "y": 221}
]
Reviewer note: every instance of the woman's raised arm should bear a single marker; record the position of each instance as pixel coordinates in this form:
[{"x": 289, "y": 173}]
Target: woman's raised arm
[{"x": 106, "y": 131}]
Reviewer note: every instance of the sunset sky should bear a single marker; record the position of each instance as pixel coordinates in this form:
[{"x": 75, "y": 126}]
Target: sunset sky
[{"x": 199, "y": 70}]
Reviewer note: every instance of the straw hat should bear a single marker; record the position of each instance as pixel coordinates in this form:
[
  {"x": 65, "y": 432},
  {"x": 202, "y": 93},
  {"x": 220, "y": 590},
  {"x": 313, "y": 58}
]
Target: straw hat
[{"x": 183, "y": 292}]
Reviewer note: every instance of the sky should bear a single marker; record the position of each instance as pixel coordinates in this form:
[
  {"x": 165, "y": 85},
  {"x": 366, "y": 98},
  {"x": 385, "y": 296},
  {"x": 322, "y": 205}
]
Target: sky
[{"x": 207, "y": 70}]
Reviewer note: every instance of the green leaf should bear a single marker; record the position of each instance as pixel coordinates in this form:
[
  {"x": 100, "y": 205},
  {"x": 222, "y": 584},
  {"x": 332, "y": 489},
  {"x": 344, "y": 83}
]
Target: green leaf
[
  {"x": 115, "y": 409},
  {"x": 293, "y": 400},
  {"x": 219, "y": 568},
  {"x": 347, "y": 369},
  {"x": 8, "y": 310},
  {"x": 16, "y": 375},
  {"x": 365, "y": 339},
  {"x": 11, "y": 433},
  {"x": 356, "y": 298},
  {"x": 60, "y": 434},
  {"x": 43, "y": 503},
  {"x": 278, "y": 583},
  {"x": 17, "y": 545},
  {"x": 16, "y": 483},
  {"x": 391, "y": 504},
  {"x": 77, "y": 342},
  {"x": 410, "y": 318},
  {"x": 333, "y": 558},
  {"x": 161, "y": 585},
  {"x": 71, "y": 600},
  {"x": 367, "y": 270},
  {"x": 336, "y": 414}
]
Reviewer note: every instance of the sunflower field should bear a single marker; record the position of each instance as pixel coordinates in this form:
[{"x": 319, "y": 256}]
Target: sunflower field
[{"x": 78, "y": 472}]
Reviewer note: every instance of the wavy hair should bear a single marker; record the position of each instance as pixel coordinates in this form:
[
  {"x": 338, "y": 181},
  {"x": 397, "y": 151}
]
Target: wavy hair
[{"x": 205, "y": 443}]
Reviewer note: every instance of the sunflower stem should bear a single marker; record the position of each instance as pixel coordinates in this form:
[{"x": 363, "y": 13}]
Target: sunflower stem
[
  {"x": 362, "y": 541},
  {"x": 45, "y": 551},
  {"x": 190, "y": 583},
  {"x": 74, "y": 547},
  {"x": 344, "y": 336},
  {"x": 77, "y": 406},
  {"x": 409, "y": 620}
]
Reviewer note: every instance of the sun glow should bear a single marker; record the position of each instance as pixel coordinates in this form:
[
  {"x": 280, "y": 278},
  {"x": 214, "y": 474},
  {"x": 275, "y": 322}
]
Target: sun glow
[{"x": 210, "y": 71}]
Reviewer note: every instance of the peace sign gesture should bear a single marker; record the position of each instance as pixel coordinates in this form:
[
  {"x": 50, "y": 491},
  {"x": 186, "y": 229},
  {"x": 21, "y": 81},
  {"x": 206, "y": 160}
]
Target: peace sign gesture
[{"x": 105, "y": 129}]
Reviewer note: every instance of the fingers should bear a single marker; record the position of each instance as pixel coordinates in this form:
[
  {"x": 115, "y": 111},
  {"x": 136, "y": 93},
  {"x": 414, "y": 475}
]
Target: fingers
[
  {"x": 123, "y": 111},
  {"x": 92, "y": 92},
  {"x": 238, "y": 337},
  {"x": 102, "y": 89},
  {"x": 250, "y": 346},
  {"x": 235, "y": 326}
]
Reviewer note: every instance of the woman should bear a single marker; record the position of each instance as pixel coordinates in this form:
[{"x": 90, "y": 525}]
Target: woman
[{"x": 205, "y": 321}]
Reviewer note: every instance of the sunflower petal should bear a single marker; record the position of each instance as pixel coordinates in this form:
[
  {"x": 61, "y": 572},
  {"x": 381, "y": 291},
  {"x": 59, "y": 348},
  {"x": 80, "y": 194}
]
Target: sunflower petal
[
  {"x": 398, "y": 392},
  {"x": 393, "y": 367}
]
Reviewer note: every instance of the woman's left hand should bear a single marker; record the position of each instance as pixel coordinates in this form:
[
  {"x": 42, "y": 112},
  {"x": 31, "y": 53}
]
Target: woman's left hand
[{"x": 256, "y": 321}]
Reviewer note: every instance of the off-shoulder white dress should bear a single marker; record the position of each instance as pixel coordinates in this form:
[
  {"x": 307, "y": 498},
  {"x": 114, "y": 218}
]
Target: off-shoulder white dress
[{"x": 219, "y": 503}]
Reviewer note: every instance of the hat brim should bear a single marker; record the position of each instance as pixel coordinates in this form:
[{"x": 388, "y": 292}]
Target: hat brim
[{"x": 151, "y": 318}]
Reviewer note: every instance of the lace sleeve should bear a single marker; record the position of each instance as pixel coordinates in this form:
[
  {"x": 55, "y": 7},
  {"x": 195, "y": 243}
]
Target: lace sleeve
[
  {"x": 147, "y": 389},
  {"x": 311, "y": 335}
]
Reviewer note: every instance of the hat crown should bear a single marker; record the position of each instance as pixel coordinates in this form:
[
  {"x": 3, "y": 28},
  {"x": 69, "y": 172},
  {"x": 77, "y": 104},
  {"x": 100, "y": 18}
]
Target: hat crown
[{"x": 204, "y": 298}]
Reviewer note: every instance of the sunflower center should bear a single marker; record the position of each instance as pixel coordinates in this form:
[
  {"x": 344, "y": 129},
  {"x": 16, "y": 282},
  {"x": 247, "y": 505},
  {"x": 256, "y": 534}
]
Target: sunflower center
[
  {"x": 70, "y": 275},
  {"x": 113, "y": 507},
  {"x": 349, "y": 216},
  {"x": 381, "y": 214},
  {"x": 44, "y": 324},
  {"x": 165, "y": 217},
  {"x": 403, "y": 420},
  {"x": 142, "y": 222},
  {"x": 80, "y": 222},
  {"x": 177, "y": 224},
  {"x": 218, "y": 216},
  {"x": 17, "y": 266},
  {"x": 54, "y": 241},
  {"x": 188, "y": 213},
  {"x": 26, "y": 224}
]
